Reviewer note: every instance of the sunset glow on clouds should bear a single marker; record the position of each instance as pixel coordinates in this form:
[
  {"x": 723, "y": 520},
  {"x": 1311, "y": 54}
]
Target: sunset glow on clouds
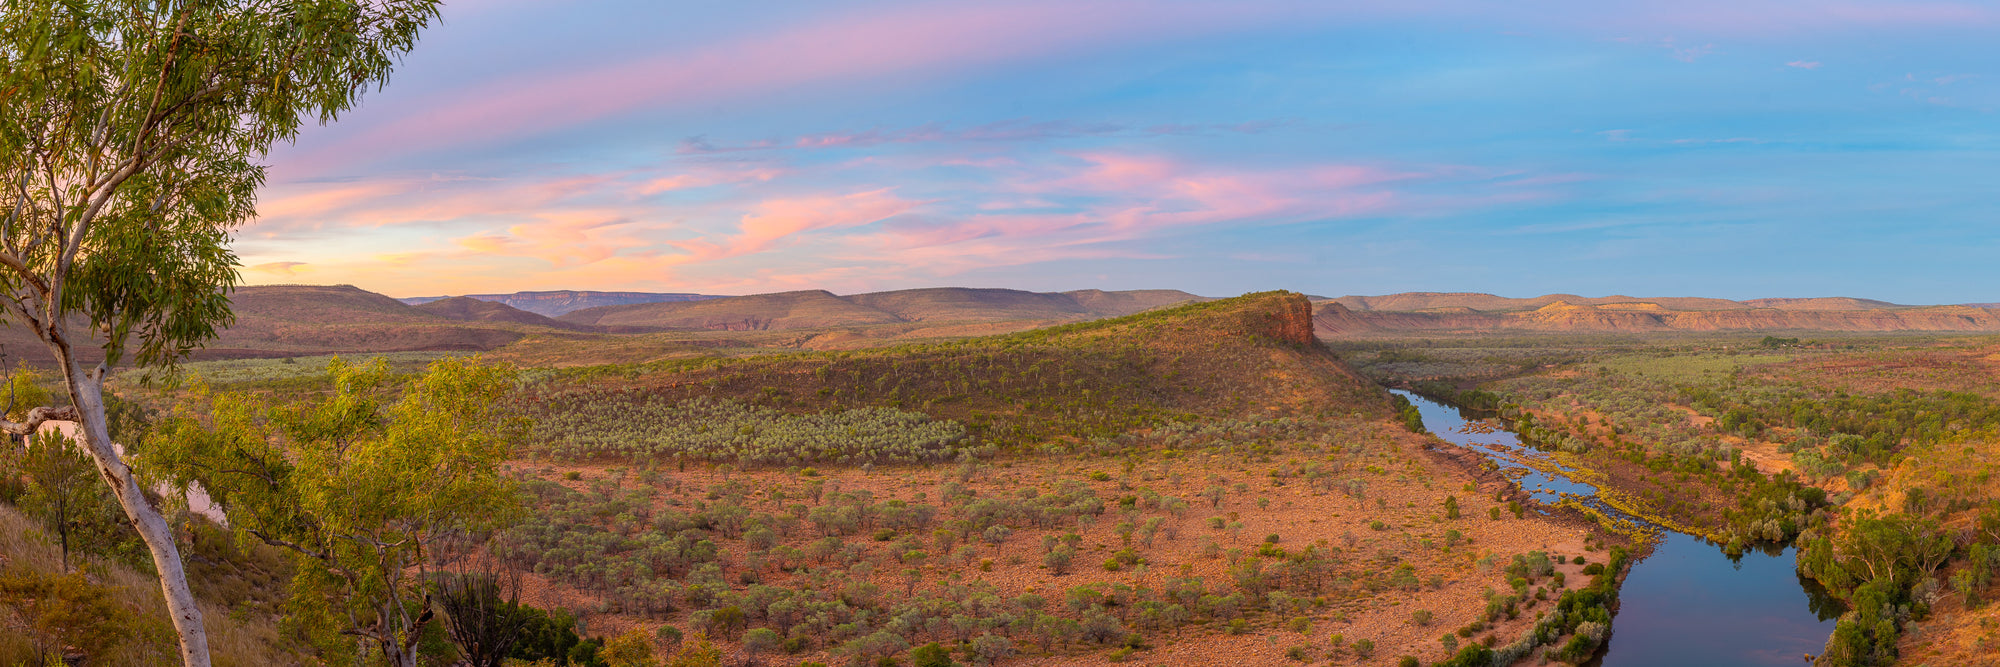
[{"x": 1726, "y": 149}]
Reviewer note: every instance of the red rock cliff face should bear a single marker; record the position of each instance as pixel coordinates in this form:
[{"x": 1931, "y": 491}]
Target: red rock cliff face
[{"x": 1294, "y": 322}]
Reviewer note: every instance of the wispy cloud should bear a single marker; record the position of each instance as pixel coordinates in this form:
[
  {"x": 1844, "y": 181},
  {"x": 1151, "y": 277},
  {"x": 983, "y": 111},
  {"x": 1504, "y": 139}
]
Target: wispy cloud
[
  {"x": 601, "y": 231},
  {"x": 1626, "y": 137},
  {"x": 752, "y": 149},
  {"x": 287, "y": 269},
  {"x": 778, "y": 221},
  {"x": 908, "y": 41},
  {"x": 1008, "y": 130},
  {"x": 413, "y": 199}
]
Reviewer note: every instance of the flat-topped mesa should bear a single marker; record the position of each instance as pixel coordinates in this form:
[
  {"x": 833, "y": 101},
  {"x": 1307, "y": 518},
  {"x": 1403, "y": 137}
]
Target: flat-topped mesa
[{"x": 1254, "y": 355}]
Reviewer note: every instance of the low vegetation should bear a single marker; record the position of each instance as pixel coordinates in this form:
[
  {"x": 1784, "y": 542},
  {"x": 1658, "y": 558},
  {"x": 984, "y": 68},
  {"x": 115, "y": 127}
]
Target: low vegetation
[
  {"x": 587, "y": 425},
  {"x": 1872, "y": 455},
  {"x": 1154, "y": 488}
]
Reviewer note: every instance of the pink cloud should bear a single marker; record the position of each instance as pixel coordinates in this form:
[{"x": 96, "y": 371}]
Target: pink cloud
[
  {"x": 1804, "y": 64},
  {"x": 404, "y": 200},
  {"x": 707, "y": 178},
  {"x": 778, "y": 220},
  {"x": 1739, "y": 19},
  {"x": 278, "y": 268},
  {"x": 760, "y": 229},
  {"x": 905, "y": 41},
  {"x": 320, "y": 200},
  {"x": 1126, "y": 198}
]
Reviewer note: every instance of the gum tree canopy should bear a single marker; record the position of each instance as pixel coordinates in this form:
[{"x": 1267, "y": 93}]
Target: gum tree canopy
[{"x": 130, "y": 138}]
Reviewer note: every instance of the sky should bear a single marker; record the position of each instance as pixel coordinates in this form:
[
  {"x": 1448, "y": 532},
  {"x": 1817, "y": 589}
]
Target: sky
[{"x": 1722, "y": 148}]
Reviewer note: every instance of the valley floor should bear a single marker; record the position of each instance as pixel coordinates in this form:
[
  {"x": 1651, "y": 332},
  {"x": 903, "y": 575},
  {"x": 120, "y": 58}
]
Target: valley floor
[{"x": 1397, "y": 521}]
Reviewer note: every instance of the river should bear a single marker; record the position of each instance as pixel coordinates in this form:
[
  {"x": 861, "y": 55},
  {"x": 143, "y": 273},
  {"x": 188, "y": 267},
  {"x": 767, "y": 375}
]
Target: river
[{"x": 1687, "y": 603}]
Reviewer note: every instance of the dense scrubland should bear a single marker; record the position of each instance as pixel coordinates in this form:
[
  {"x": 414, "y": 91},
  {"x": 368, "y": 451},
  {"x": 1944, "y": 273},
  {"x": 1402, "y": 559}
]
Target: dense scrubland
[
  {"x": 1204, "y": 484},
  {"x": 1875, "y": 456}
]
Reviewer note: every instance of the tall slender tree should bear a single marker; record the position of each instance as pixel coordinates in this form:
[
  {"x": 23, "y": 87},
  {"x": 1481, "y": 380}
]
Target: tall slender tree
[{"x": 131, "y": 135}]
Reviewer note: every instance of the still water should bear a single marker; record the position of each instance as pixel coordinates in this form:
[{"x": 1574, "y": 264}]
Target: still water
[{"x": 1686, "y": 604}]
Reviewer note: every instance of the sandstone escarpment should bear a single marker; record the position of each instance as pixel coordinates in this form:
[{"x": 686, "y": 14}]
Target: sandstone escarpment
[{"x": 1339, "y": 318}]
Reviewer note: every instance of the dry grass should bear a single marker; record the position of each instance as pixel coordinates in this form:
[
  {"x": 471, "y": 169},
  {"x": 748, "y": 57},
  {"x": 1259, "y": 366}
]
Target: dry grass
[
  {"x": 1961, "y": 366},
  {"x": 1405, "y": 491},
  {"x": 234, "y": 641}
]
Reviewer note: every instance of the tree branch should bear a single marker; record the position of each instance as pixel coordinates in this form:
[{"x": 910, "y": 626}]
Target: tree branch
[{"x": 36, "y": 417}]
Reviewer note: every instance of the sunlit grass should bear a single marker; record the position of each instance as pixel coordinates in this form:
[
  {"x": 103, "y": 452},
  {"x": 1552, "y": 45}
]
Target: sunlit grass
[
  {"x": 238, "y": 371},
  {"x": 1686, "y": 367}
]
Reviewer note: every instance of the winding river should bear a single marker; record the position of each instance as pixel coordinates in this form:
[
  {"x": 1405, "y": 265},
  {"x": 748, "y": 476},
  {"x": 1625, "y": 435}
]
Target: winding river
[{"x": 1687, "y": 603}]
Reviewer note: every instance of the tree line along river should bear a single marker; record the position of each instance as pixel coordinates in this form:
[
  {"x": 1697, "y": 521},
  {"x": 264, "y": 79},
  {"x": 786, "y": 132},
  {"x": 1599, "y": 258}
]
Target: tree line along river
[{"x": 1686, "y": 603}]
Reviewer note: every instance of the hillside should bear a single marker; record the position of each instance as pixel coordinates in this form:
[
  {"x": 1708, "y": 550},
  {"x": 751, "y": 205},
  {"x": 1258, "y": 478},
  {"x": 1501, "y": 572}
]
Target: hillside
[
  {"x": 469, "y": 309},
  {"x": 558, "y": 302},
  {"x": 305, "y": 320},
  {"x": 285, "y": 320},
  {"x": 1187, "y": 481},
  {"x": 1251, "y": 355},
  {"x": 945, "y": 304},
  {"x": 820, "y": 309},
  {"x": 1821, "y": 303},
  {"x": 1422, "y": 301},
  {"x": 1476, "y": 313},
  {"x": 810, "y": 309},
  {"x": 1128, "y": 302}
]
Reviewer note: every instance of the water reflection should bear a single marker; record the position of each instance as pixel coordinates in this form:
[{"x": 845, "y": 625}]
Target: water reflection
[{"x": 1688, "y": 603}]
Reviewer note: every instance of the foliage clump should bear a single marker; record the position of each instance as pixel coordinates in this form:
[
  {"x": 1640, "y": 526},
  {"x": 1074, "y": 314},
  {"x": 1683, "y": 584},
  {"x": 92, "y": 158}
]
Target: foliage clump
[{"x": 604, "y": 424}]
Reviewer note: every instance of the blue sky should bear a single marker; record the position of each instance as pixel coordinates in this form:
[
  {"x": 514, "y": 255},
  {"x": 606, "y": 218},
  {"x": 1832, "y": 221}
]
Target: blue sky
[{"x": 1729, "y": 149}]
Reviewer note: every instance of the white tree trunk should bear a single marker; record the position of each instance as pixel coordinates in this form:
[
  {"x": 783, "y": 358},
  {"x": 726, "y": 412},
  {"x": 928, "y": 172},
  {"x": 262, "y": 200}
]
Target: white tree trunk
[{"x": 86, "y": 389}]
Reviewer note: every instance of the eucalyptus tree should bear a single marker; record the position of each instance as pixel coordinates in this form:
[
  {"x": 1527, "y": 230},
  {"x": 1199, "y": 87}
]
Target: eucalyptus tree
[
  {"x": 131, "y": 134},
  {"x": 363, "y": 487}
]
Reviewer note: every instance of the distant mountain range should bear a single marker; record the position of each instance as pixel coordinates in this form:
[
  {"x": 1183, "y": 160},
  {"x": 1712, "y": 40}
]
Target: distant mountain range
[
  {"x": 1470, "y": 312},
  {"x": 813, "y": 309},
  {"x": 1476, "y": 301},
  {"x": 305, "y": 320},
  {"x": 563, "y": 301},
  {"x": 604, "y": 327}
]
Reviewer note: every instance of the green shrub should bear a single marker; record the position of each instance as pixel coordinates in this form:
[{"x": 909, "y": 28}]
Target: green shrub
[
  {"x": 931, "y": 655},
  {"x": 1473, "y": 655}
]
